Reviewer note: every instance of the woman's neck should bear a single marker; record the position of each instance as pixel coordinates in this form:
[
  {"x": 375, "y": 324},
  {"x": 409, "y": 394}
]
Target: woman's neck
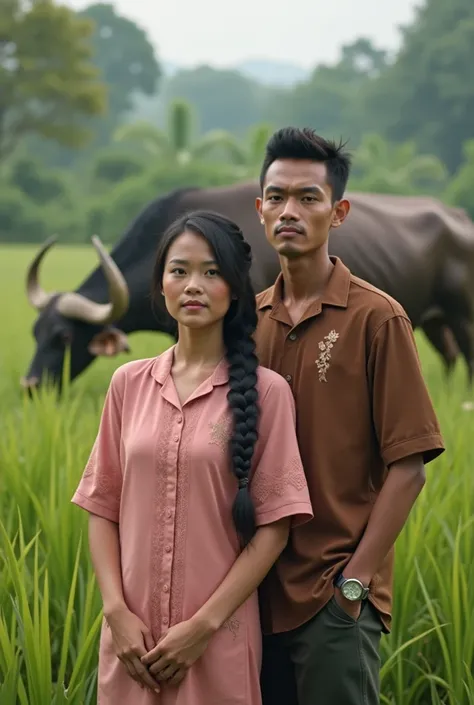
[{"x": 203, "y": 347}]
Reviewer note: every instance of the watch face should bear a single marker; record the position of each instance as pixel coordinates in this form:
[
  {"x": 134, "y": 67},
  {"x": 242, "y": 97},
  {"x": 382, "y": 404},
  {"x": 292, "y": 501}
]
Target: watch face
[{"x": 352, "y": 590}]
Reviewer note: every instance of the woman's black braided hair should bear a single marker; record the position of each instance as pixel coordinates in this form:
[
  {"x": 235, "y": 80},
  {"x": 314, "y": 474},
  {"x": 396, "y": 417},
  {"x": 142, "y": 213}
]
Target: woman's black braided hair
[{"x": 234, "y": 258}]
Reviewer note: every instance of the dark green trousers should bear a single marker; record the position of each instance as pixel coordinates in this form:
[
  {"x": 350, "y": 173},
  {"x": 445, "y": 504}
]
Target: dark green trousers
[{"x": 331, "y": 660}]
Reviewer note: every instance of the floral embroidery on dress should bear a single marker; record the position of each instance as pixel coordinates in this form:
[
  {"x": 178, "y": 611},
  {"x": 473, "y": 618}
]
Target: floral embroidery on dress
[
  {"x": 157, "y": 538},
  {"x": 233, "y": 625},
  {"x": 325, "y": 347},
  {"x": 266, "y": 485},
  {"x": 221, "y": 431},
  {"x": 107, "y": 481},
  {"x": 181, "y": 517}
]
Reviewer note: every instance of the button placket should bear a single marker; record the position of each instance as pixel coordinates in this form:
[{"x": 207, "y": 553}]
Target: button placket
[
  {"x": 289, "y": 358},
  {"x": 171, "y": 480}
]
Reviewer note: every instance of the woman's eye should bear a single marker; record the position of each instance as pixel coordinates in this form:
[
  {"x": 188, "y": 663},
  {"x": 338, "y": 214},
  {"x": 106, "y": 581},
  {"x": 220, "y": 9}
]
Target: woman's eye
[
  {"x": 213, "y": 272},
  {"x": 177, "y": 270}
]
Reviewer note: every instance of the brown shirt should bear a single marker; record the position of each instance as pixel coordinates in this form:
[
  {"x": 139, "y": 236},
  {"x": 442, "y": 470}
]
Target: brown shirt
[{"x": 361, "y": 404}]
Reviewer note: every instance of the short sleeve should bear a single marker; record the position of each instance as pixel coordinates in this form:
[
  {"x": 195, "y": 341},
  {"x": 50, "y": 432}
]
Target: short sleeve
[
  {"x": 278, "y": 483},
  {"x": 403, "y": 414},
  {"x": 99, "y": 490}
]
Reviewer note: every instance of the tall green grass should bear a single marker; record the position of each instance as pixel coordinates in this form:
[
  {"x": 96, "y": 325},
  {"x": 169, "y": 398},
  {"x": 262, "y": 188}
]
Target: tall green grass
[{"x": 49, "y": 604}]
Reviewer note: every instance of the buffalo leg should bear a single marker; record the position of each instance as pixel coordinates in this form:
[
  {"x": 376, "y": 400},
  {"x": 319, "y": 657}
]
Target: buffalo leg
[
  {"x": 442, "y": 339},
  {"x": 463, "y": 331}
]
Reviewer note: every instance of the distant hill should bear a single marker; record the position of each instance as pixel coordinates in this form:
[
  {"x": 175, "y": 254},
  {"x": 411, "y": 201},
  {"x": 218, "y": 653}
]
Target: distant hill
[
  {"x": 266, "y": 71},
  {"x": 273, "y": 73}
]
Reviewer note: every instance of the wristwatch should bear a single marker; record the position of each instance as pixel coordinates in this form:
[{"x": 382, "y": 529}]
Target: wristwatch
[{"x": 351, "y": 588}]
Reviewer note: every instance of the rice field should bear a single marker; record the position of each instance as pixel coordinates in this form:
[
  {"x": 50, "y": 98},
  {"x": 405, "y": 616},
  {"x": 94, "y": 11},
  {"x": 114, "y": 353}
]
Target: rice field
[{"x": 49, "y": 604}]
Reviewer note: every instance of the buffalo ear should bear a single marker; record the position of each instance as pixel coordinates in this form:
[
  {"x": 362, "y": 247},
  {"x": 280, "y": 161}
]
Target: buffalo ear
[{"x": 108, "y": 343}]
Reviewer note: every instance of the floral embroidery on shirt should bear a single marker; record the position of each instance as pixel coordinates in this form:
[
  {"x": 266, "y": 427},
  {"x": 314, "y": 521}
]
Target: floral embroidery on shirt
[
  {"x": 232, "y": 625},
  {"x": 325, "y": 347},
  {"x": 221, "y": 431},
  {"x": 266, "y": 485}
]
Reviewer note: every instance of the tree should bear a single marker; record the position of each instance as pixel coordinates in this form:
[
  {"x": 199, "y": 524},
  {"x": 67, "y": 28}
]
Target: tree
[
  {"x": 427, "y": 95},
  {"x": 224, "y": 99},
  {"x": 177, "y": 143},
  {"x": 460, "y": 191},
  {"x": 247, "y": 154},
  {"x": 380, "y": 167},
  {"x": 47, "y": 80},
  {"x": 40, "y": 185},
  {"x": 124, "y": 201},
  {"x": 127, "y": 64},
  {"x": 329, "y": 100},
  {"x": 111, "y": 166},
  {"x": 125, "y": 57}
]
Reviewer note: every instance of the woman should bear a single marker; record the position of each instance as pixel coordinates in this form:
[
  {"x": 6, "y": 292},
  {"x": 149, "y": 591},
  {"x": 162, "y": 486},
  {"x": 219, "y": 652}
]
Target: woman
[{"x": 192, "y": 484}]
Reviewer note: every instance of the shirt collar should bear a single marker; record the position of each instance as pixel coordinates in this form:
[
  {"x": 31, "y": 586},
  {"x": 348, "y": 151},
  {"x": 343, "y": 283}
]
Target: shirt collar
[
  {"x": 161, "y": 369},
  {"x": 335, "y": 294}
]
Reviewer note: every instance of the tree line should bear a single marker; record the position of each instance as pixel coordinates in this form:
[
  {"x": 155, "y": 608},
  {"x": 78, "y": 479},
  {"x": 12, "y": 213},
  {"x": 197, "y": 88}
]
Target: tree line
[{"x": 90, "y": 129}]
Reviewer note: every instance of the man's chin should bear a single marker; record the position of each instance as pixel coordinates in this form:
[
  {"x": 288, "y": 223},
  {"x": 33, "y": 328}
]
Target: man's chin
[{"x": 290, "y": 250}]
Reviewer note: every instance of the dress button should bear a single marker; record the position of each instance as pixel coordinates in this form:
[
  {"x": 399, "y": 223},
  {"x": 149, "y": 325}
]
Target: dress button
[
  {"x": 168, "y": 549},
  {"x": 288, "y": 378},
  {"x": 292, "y": 336},
  {"x": 165, "y": 620},
  {"x": 180, "y": 420},
  {"x": 176, "y": 438},
  {"x": 169, "y": 513},
  {"x": 166, "y": 588}
]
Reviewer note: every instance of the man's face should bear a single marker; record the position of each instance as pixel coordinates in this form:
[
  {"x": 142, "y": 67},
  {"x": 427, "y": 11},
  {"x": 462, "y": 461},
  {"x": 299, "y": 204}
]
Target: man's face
[{"x": 297, "y": 208}]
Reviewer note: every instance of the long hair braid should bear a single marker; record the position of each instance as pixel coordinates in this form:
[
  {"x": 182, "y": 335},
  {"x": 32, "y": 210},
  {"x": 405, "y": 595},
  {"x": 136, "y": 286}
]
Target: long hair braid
[{"x": 242, "y": 398}]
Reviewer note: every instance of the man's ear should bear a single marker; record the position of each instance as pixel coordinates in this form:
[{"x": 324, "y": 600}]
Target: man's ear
[{"x": 341, "y": 211}]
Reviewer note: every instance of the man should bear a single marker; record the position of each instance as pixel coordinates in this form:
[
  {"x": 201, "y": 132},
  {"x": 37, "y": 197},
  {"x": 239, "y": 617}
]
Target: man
[{"x": 366, "y": 428}]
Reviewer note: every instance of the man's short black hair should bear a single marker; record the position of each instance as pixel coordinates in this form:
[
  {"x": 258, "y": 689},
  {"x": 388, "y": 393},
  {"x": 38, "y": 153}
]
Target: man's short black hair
[{"x": 296, "y": 143}]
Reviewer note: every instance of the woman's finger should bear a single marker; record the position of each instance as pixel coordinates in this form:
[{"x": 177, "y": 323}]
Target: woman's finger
[
  {"x": 152, "y": 656},
  {"x": 177, "y": 677},
  {"x": 162, "y": 663},
  {"x": 149, "y": 641},
  {"x": 167, "y": 673},
  {"x": 142, "y": 674},
  {"x": 130, "y": 671}
]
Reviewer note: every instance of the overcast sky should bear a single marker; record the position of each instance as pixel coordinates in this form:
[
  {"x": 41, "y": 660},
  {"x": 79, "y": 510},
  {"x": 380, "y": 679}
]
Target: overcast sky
[{"x": 306, "y": 32}]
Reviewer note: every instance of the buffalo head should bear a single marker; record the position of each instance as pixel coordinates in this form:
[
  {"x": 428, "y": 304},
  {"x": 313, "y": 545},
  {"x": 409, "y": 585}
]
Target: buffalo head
[{"x": 72, "y": 321}]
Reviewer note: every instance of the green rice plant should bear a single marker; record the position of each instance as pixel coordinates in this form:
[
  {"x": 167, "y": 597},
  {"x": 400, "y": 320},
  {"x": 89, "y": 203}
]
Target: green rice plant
[
  {"x": 30, "y": 673},
  {"x": 50, "y": 611}
]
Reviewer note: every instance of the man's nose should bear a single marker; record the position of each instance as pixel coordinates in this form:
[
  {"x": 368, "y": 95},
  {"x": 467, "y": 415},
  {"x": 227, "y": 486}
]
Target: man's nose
[{"x": 290, "y": 210}]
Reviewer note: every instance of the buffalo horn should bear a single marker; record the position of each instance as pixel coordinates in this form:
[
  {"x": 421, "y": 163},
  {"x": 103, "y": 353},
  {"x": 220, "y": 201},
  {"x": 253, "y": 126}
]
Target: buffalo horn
[
  {"x": 73, "y": 305},
  {"x": 37, "y": 296}
]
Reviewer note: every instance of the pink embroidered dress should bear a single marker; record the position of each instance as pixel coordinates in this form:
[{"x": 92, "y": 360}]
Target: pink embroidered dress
[{"x": 161, "y": 471}]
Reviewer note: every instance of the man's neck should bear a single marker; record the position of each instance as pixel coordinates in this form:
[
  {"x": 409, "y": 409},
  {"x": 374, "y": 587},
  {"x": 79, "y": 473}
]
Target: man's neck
[{"x": 306, "y": 278}]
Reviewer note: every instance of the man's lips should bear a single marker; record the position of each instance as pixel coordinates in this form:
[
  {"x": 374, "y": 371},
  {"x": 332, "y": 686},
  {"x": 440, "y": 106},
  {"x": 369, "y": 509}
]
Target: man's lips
[{"x": 288, "y": 230}]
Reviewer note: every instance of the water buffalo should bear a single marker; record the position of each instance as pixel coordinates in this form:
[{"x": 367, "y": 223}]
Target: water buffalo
[{"x": 415, "y": 249}]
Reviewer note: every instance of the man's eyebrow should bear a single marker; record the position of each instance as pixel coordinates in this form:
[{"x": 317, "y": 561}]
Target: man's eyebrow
[{"x": 302, "y": 189}]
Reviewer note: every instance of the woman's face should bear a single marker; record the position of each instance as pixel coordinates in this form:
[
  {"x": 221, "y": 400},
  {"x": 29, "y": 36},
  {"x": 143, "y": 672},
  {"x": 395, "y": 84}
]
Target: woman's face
[{"x": 196, "y": 295}]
